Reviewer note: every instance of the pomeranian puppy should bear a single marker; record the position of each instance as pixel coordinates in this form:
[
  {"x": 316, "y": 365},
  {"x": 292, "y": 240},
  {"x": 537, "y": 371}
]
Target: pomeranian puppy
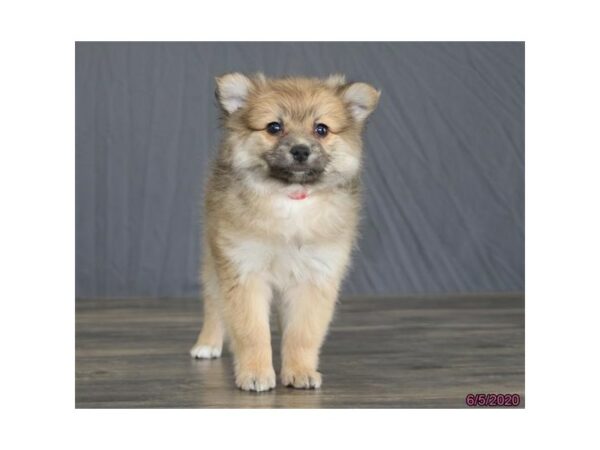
[{"x": 281, "y": 217}]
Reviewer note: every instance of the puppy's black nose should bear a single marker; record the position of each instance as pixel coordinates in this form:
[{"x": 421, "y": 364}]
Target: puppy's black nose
[{"x": 300, "y": 153}]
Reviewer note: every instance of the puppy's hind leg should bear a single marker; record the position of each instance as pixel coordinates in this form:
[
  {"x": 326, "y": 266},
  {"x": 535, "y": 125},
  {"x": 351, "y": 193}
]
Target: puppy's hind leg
[{"x": 210, "y": 341}]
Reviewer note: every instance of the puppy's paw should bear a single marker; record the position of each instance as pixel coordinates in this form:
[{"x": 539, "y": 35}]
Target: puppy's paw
[
  {"x": 301, "y": 379},
  {"x": 255, "y": 381},
  {"x": 203, "y": 351}
]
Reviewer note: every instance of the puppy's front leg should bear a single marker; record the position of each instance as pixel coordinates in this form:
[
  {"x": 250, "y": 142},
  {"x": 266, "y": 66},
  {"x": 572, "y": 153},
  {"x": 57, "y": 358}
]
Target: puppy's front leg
[
  {"x": 307, "y": 311},
  {"x": 246, "y": 313}
]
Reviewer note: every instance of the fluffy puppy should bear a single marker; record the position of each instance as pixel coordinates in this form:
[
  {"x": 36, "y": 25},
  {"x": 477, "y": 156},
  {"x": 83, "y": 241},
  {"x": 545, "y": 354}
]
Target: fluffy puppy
[{"x": 281, "y": 215}]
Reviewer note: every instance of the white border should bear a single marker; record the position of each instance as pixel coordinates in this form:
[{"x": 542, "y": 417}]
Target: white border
[{"x": 37, "y": 188}]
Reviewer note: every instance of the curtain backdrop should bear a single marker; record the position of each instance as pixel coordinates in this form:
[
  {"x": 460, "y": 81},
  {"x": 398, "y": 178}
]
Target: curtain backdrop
[{"x": 444, "y": 162}]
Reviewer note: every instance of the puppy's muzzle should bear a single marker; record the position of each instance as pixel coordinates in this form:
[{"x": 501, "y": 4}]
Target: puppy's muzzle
[{"x": 296, "y": 162}]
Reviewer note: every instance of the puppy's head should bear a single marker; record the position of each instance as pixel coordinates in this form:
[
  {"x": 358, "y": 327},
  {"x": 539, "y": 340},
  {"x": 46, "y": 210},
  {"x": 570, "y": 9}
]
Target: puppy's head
[{"x": 294, "y": 130}]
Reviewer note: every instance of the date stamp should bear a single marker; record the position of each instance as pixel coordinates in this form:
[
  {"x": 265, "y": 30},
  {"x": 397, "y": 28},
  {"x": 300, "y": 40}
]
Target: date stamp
[{"x": 493, "y": 400}]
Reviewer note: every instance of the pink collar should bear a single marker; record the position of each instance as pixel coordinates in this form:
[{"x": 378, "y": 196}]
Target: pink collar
[{"x": 300, "y": 194}]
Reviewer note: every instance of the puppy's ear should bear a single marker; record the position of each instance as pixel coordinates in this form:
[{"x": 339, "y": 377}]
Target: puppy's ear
[
  {"x": 232, "y": 91},
  {"x": 361, "y": 99}
]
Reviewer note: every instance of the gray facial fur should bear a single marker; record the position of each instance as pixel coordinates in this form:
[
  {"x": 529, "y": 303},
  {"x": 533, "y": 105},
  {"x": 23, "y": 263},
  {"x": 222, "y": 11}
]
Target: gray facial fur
[{"x": 283, "y": 167}]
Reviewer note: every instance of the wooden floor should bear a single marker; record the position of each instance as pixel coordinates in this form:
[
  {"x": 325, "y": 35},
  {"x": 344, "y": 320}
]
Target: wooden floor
[{"x": 380, "y": 353}]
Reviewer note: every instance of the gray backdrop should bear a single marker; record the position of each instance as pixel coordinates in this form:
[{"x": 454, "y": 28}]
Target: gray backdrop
[{"x": 444, "y": 172}]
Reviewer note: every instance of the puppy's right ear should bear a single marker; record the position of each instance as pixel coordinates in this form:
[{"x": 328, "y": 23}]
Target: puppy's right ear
[{"x": 232, "y": 91}]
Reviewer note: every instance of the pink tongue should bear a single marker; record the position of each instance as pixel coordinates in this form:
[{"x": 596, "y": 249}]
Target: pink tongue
[{"x": 300, "y": 194}]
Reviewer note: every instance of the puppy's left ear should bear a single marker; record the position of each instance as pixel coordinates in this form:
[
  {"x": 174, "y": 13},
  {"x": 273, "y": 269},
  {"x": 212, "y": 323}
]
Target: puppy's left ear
[
  {"x": 232, "y": 91},
  {"x": 361, "y": 98}
]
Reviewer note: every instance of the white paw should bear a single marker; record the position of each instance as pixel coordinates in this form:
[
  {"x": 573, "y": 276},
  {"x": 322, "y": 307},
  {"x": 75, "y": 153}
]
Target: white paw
[
  {"x": 305, "y": 379},
  {"x": 248, "y": 381},
  {"x": 201, "y": 351}
]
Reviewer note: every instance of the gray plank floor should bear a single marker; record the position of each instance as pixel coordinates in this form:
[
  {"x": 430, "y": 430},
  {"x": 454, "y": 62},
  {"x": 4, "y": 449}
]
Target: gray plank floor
[{"x": 425, "y": 352}]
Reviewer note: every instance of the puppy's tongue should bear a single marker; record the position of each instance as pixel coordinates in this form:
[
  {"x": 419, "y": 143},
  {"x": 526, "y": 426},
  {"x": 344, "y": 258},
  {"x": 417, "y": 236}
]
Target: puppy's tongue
[{"x": 298, "y": 194}]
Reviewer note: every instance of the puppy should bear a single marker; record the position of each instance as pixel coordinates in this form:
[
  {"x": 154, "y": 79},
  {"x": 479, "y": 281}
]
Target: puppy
[{"x": 281, "y": 218}]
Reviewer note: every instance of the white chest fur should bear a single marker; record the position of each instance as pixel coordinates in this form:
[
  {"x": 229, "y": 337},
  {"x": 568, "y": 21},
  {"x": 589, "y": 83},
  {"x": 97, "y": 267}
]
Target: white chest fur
[
  {"x": 302, "y": 241},
  {"x": 284, "y": 264}
]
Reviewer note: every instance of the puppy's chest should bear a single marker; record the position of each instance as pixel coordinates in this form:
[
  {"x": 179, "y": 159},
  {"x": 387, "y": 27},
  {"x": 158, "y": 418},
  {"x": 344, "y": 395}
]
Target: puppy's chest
[
  {"x": 286, "y": 263},
  {"x": 290, "y": 241},
  {"x": 298, "y": 220}
]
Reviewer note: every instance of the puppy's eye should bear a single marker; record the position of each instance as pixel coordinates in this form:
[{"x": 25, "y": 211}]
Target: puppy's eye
[
  {"x": 274, "y": 128},
  {"x": 321, "y": 129}
]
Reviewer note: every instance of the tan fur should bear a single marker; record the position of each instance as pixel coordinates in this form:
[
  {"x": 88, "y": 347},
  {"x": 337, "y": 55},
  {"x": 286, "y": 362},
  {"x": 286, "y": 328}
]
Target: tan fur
[{"x": 262, "y": 246}]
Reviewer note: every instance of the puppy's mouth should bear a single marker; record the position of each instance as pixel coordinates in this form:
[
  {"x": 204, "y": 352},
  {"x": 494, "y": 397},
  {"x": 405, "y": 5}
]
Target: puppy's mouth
[{"x": 301, "y": 174}]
